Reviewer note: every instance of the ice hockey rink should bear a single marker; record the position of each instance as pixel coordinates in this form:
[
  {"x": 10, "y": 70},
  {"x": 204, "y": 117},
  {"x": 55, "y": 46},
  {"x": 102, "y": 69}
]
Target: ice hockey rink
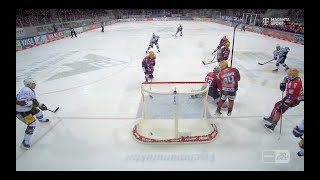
[{"x": 95, "y": 81}]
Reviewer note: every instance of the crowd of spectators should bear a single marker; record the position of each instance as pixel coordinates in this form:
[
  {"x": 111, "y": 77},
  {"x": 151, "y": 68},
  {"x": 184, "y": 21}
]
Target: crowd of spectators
[
  {"x": 30, "y": 17},
  {"x": 293, "y": 27},
  {"x": 36, "y": 17}
]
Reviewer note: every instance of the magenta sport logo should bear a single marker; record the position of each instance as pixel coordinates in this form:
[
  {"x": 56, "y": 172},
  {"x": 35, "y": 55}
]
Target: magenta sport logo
[{"x": 275, "y": 21}]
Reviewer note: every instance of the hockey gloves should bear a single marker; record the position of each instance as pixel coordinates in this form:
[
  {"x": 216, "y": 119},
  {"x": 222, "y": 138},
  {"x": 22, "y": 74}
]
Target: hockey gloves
[
  {"x": 282, "y": 86},
  {"x": 43, "y": 107},
  {"x": 23, "y": 103},
  {"x": 275, "y": 58}
]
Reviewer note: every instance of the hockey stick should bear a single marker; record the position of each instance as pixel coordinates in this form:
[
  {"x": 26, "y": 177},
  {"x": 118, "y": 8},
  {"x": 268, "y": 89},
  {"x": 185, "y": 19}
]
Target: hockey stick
[
  {"x": 265, "y": 62},
  {"x": 281, "y": 117},
  {"x": 210, "y": 62},
  {"x": 54, "y": 110}
]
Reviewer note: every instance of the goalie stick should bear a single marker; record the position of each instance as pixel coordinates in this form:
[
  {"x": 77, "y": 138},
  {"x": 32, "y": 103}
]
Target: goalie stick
[{"x": 265, "y": 62}]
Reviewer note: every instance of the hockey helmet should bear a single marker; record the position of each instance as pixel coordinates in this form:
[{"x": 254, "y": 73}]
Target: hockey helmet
[
  {"x": 223, "y": 64},
  {"x": 293, "y": 73},
  {"x": 29, "y": 81},
  {"x": 216, "y": 69},
  {"x": 151, "y": 54},
  {"x": 228, "y": 44},
  {"x": 278, "y": 47},
  {"x": 224, "y": 37}
]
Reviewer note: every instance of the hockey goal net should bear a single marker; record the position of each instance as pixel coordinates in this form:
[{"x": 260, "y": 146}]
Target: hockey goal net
[{"x": 174, "y": 112}]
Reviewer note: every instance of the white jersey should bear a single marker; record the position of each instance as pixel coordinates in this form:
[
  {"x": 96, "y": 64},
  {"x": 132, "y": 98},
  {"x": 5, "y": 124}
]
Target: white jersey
[
  {"x": 301, "y": 125},
  {"x": 281, "y": 53},
  {"x": 299, "y": 129},
  {"x": 25, "y": 94},
  {"x": 179, "y": 28},
  {"x": 154, "y": 39}
]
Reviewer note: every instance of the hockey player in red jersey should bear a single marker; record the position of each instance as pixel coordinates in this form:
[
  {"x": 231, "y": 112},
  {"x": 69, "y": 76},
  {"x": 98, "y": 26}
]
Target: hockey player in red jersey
[
  {"x": 223, "y": 53},
  {"x": 228, "y": 83},
  {"x": 223, "y": 42},
  {"x": 148, "y": 64},
  {"x": 211, "y": 79},
  {"x": 294, "y": 95}
]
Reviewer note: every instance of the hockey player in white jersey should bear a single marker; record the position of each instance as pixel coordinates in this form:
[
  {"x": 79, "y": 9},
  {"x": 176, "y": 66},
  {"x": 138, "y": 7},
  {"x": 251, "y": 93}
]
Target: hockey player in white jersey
[
  {"x": 153, "y": 41},
  {"x": 280, "y": 54},
  {"x": 298, "y": 131},
  {"x": 179, "y": 29},
  {"x": 28, "y": 106}
]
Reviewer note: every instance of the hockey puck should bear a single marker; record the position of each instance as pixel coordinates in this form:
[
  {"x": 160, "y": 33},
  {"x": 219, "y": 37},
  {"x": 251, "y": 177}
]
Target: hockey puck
[{"x": 151, "y": 133}]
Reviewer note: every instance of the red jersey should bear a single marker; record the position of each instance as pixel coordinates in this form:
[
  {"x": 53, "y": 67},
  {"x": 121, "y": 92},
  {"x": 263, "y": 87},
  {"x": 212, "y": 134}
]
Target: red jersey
[
  {"x": 224, "y": 53},
  {"x": 294, "y": 88},
  {"x": 228, "y": 79},
  {"x": 148, "y": 64},
  {"x": 222, "y": 43},
  {"x": 212, "y": 80}
]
